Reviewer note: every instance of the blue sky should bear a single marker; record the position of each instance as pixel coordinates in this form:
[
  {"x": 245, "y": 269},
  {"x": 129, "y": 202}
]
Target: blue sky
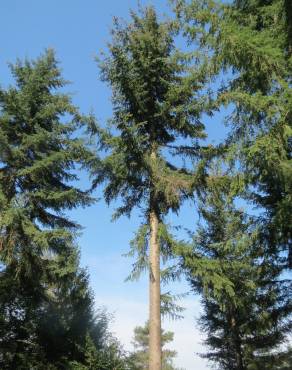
[{"x": 78, "y": 30}]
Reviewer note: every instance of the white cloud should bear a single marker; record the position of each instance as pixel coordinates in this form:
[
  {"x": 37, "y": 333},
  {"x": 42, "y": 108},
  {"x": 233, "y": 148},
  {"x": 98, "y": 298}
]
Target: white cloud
[{"x": 187, "y": 338}]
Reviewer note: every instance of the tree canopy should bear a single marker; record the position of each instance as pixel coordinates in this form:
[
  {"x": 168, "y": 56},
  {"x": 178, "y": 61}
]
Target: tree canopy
[{"x": 166, "y": 76}]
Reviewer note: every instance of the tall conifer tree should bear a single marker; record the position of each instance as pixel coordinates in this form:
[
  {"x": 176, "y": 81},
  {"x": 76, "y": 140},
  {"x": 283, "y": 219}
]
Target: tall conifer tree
[
  {"x": 39, "y": 151},
  {"x": 246, "y": 307},
  {"x": 249, "y": 43},
  {"x": 38, "y": 154},
  {"x": 47, "y": 319},
  {"x": 156, "y": 102}
]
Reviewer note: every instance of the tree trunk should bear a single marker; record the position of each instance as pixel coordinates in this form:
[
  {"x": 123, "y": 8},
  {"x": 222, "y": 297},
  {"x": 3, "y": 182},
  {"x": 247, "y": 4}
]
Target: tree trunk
[
  {"x": 237, "y": 345},
  {"x": 154, "y": 288}
]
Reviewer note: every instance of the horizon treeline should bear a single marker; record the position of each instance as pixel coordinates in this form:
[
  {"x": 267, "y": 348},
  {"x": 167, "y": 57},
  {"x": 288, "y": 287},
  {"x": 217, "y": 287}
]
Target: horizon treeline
[{"x": 153, "y": 155}]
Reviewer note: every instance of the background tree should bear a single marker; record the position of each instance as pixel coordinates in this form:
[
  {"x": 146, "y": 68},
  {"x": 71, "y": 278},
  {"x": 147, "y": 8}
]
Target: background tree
[
  {"x": 157, "y": 102},
  {"x": 38, "y": 156},
  {"x": 139, "y": 359},
  {"x": 249, "y": 44},
  {"x": 47, "y": 319},
  {"x": 55, "y": 328},
  {"x": 247, "y": 312}
]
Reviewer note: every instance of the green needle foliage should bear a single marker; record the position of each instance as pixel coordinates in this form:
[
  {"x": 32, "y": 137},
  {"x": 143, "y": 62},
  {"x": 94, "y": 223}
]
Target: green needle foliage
[
  {"x": 159, "y": 96},
  {"x": 138, "y": 360},
  {"x": 250, "y": 42},
  {"x": 57, "y": 329},
  {"x": 47, "y": 319},
  {"x": 154, "y": 105},
  {"x": 262, "y": 126},
  {"x": 39, "y": 151},
  {"x": 246, "y": 305}
]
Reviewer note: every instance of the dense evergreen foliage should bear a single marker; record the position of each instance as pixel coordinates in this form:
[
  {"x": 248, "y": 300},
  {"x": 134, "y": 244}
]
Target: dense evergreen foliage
[
  {"x": 158, "y": 101},
  {"x": 55, "y": 329},
  {"x": 261, "y": 123},
  {"x": 249, "y": 42},
  {"x": 150, "y": 156},
  {"x": 157, "y": 97},
  {"x": 47, "y": 319},
  {"x": 249, "y": 45},
  {"x": 246, "y": 305},
  {"x": 38, "y": 157}
]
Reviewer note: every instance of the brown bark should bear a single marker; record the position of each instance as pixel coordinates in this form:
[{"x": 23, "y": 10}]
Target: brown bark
[
  {"x": 154, "y": 288},
  {"x": 237, "y": 345}
]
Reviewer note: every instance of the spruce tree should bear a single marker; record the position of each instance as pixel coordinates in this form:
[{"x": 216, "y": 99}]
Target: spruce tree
[
  {"x": 39, "y": 154},
  {"x": 247, "y": 312},
  {"x": 157, "y": 103},
  {"x": 249, "y": 44}
]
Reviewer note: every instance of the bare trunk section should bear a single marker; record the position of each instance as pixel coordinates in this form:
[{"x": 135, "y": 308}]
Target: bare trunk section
[
  {"x": 154, "y": 287},
  {"x": 154, "y": 290}
]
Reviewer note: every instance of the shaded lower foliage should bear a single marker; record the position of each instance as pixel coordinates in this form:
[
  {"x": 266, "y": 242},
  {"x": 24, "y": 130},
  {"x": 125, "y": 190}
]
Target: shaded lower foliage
[
  {"x": 246, "y": 300},
  {"x": 50, "y": 323}
]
